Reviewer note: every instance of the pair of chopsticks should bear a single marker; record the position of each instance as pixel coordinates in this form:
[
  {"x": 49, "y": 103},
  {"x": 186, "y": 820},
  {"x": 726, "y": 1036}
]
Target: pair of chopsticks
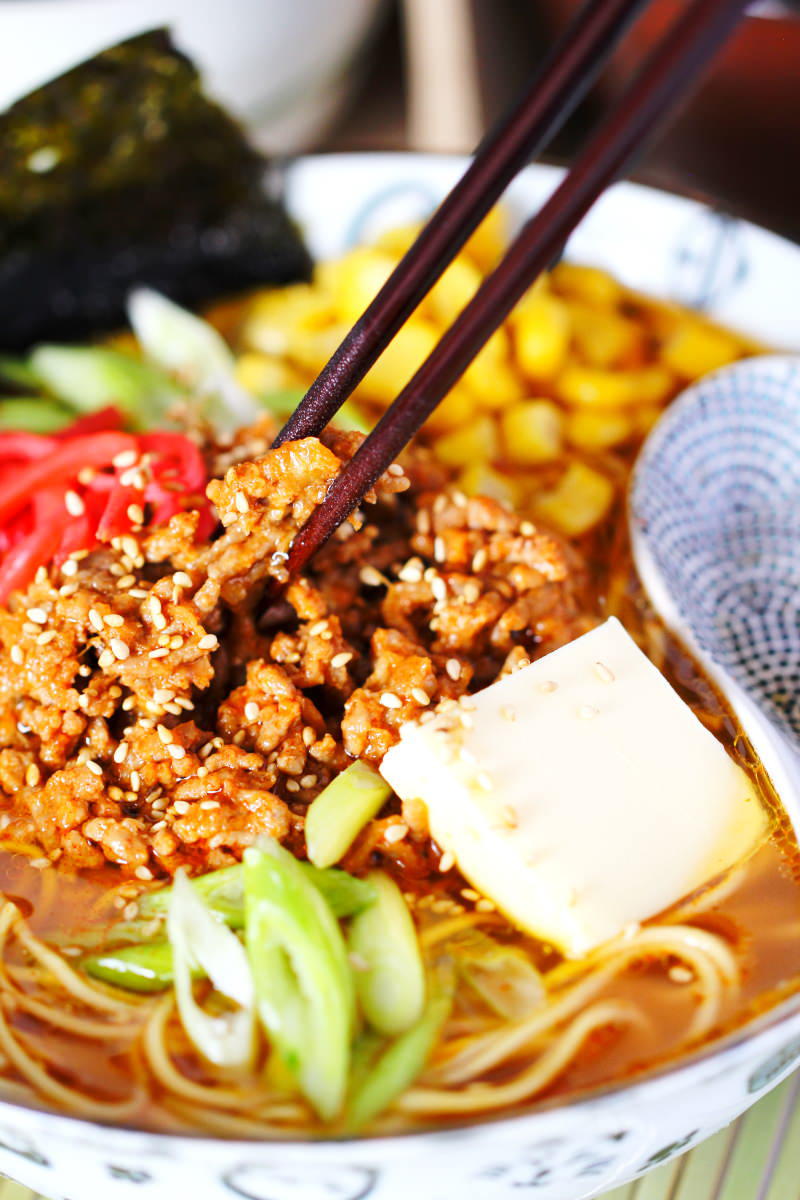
[{"x": 660, "y": 84}]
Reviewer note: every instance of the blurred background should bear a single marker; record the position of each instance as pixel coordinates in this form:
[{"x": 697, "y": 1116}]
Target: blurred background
[{"x": 434, "y": 74}]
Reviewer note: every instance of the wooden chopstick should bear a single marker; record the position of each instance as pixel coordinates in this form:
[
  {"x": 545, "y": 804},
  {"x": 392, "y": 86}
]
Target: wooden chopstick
[
  {"x": 664, "y": 79},
  {"x": 565, "y": 77}
]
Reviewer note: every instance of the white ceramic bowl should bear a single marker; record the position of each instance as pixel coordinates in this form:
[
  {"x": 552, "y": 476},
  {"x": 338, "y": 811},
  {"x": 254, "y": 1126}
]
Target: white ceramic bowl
[
  {"x": 286, "y": 68},
  {"x": 669, "y": 247}
]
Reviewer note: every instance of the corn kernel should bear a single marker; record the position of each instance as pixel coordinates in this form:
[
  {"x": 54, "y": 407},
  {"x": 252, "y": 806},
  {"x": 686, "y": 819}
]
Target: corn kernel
[
  {"x": 580, "y": 499},
  {"x": 407, "y": 350},
  {"x": 452, "y": 291},
  {"x": 603, "y": 338},
  {"x": 695, "y": 349},
  {"x": 532, "y": 431},
  {"x": 595, "y": 429},
  {"x": 458, "y": 407},
  {"x": 487, "y": 244},
  {"x": 355, "y": 279},
  {"x": 494, "y": 385},
  {"x": 279, "y": 317},
  {"x": 397, "y": 240},
  {"x": 653, "y": 384},
  {"x": 474, "y": 442},
  {"x": 263, "y": 373},
  {"x": 479, "y": 479},
  {"x": 589, "y": 284},
  {"x": 542, "y": 337}
]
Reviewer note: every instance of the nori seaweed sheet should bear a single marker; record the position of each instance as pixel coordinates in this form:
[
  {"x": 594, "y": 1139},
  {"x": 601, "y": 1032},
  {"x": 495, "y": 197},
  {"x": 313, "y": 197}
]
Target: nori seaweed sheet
[{"x": 122, "y": 172}]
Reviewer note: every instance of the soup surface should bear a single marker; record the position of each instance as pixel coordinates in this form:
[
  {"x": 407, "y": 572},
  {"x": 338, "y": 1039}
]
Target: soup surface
[{"x": 160, "y": 715}]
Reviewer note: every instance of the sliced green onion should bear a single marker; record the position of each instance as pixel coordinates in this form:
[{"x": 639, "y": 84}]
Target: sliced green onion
[
  {"x": 33, "y": 414},
  {"x": 146, "y": 968},
  {"x": 341, "y": 810},
  {"x": 390, "y": 976},
  {"x": 399, "y": 1066},
  {"x": 503, "y": 976},
  {"x": 303, "y": 983},
  {"x": 199, "y": 941},
  {"x": 223, "y": 892},
  {"x": 91, "y": 377},
  {"x": 283, "y": 403},
  {"x": 184, "y": 344},
  {"x": 18, "y": 372}
]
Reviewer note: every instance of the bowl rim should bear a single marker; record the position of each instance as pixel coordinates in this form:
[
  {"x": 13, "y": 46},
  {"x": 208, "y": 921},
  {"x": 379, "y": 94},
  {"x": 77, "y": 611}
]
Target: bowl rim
[{"x": 659, "y": 1072}]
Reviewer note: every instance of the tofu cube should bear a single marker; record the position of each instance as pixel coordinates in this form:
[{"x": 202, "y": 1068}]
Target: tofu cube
[{"x": 580, "y": 793}]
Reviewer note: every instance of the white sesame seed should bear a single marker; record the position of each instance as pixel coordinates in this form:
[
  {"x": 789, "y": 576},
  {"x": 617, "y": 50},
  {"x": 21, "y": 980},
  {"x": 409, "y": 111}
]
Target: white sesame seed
[
  {"x": 121, "y": 752},
  {"x": 587, "y": 711},
  {"x": 411, "y": 571},
  {"x": 680, "y": 974},
  {"x": 438, "y": 588},
  {"x": 125, "y": 582},
  {"x": 439, "y": 549},
  {"x": 162, "y": 652},
  {"x": 479, "y": 559},
  {"x": 95, "y": 620},
  {"x": 547, "y": 686},
  {"x": 136, "y": 781},
  {"x": 447, "y": 862},
  {"x": 453, "y": 668},
  {"x": 39, "y": 864},
  {"x": 163, "y": 695},
  {"x": 45, "y": 638},
  {"x": 209, "y": 805},
  {"x": 317, "y": 628},
  {"x": 309, "y": 736},
  {"x": 37, "y": 615},
  {"x": 114, "y": 620},
  {"x": 175, "y": 751},
  {"x": 164, "y": 734},
  {"x": 32, "y": 775},
  {"x": 181, "y": 807},
  {"x": 70, "y": 567},
  {"x": 341, "y": 660},
  {"x": 130, "y": 911},
  {"x": 372, "y": 577},
  {"x": 527, "y": 528},
  {"x": 420, "y": 695},
  {"x": 209, "y": 642},
  {"x": 484, "y": 781},
  {"x": 292, "y": 785},
  {"x": 128, "y": 703},
  {"x": 136, "y": 514},
  {"x": 395, "y": 833},
  {"x": 484, "y": 905},
  {"x": 159, "y": 620},
  {"x": 181, "y": 579},
  {"x": 507, "y": 713},
  {"x": 94, "y": 767},
  {"x": 125, "y": 458},
  {"x": 73, "y": 504},
  {"x": 395, "y": 469},
  {"x": 390, "y": 700},
  {"x": 17, "y": 656},
  {"x": 143, "y": 873},
  {"x": 120, "y": 649},
  {"x": 105, "y": 659},
  {"x": 241, "y": 502},
  {"x": 252, "y": 710}
]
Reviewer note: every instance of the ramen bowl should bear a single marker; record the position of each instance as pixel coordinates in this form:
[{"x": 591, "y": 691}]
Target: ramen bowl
[{"x": 560, "y": 1150}]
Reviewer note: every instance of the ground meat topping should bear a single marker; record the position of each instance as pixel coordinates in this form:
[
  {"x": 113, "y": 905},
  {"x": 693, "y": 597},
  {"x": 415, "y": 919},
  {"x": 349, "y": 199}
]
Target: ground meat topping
[{"x": 156, "y": 711}]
